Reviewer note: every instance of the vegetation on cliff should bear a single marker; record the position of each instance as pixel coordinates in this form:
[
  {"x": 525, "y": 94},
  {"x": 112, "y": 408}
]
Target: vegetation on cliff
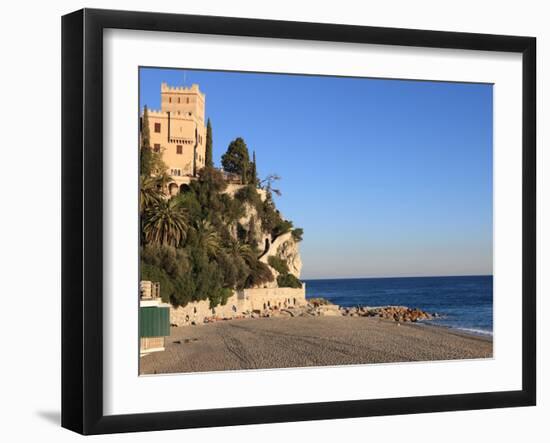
[{"x": 194, "y": 243}]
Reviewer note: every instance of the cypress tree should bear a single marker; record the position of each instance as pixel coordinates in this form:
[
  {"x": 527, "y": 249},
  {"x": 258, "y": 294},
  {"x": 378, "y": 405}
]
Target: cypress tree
[
  {"x": 145, "y": 149},
  {"x": 252, "y": 234},
  {"x": 208, "y": 155},
  {"x": 253, "y": 172}
]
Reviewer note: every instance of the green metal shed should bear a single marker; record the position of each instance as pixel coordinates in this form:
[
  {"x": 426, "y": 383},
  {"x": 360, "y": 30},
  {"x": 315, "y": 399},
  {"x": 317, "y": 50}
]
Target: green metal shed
[{"x": 154, "y": 321}]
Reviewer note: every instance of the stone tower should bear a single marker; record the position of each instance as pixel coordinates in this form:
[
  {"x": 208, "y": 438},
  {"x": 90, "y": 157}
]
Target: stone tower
[{"x": 178, "y": 132}]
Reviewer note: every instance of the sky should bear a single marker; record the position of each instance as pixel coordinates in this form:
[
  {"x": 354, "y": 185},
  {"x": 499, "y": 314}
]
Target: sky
[{"x": 387, "y": 178}]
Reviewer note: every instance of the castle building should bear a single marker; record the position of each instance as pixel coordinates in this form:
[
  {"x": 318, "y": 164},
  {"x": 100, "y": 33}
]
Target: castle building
[{"x": 178, "y": 131}]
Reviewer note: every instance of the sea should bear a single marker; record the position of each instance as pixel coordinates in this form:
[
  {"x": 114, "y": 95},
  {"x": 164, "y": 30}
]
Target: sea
[{"x": 464, "y": 303}]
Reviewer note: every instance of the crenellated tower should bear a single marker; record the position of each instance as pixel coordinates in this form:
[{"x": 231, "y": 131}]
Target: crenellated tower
[{"x": 178, "y": 132}]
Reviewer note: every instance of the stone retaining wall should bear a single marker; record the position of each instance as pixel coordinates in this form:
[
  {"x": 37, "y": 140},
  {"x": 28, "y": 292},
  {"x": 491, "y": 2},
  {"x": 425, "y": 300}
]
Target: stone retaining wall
[
  {"x": 240, "y": 304},
  {"x": 265, "y": 298}
]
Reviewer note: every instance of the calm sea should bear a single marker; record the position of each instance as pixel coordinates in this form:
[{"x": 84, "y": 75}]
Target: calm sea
[{"x": 464, "y": 302}]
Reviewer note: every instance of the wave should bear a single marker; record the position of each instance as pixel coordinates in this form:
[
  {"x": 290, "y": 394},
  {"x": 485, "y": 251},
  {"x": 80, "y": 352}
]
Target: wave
[{"x": 474, "y": 331}]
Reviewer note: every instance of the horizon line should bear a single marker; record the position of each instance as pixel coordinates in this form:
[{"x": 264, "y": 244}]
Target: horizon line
[{"x": 399, "y": 276}]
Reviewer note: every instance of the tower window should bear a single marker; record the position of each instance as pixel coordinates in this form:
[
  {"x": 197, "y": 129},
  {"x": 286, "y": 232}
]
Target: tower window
[
  {"x": 187, "y": 100},
  {"x": 178, "y": 99},
  {"x": 157, "y": 127},
  {"x": 169, "y": 99},
  {"x": 179, "y": 149},
  {"x": 156, "y": 148}
]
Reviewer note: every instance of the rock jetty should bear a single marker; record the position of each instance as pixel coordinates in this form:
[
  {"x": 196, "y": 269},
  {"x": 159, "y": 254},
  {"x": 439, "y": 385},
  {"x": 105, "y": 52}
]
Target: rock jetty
[
  {"x": 319, "y": 307},
  {"x": 396, "y": 313}
]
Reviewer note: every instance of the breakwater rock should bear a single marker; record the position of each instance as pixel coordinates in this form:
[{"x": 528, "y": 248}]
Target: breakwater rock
[
  {"x": 396, "y": 313},
  {"x": 319, "y": 307}
]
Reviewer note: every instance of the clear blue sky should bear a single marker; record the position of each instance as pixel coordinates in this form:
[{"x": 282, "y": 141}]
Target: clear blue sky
[{"x": 387, "y": 177}]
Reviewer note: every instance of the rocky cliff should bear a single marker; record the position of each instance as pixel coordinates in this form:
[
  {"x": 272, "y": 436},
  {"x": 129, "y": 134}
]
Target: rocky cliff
[{"x": 284, "y": 247}]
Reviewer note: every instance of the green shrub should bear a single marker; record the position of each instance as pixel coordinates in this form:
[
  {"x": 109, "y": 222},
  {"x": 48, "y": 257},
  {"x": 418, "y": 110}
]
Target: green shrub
[
  {"x": 248, "y": 194},
  {"x": 174, "y": 262},
  {"x": 269, "y": 216},
  {"x": 259, "y": 274},
  {"x": 282, "y": 227},
  {"x": 233, "y": 209},
  {"x": 297, "y": 234},
  {"x": 155, "y": 274},
  {"x": 220, "y": 297},
  {"x": 278, "y": 264},
  {"x": 234, "y": 270},
  {"x": 288, "y": 281}
]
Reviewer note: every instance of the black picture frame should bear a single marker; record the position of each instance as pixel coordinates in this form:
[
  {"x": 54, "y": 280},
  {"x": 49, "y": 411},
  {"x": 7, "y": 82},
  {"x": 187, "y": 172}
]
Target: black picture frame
[{"x": 82, "y": 215}]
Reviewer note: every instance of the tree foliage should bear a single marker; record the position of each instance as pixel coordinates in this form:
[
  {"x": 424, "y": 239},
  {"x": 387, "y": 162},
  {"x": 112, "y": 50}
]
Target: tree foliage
[
  {"x": 298, "y": 234},
  {"x": 253, "y": 179},
  {"x": 285, "y": 279},
  {"x": 236, "y": 159},
  {"x": 145, "y": 153},
  {"x": 149, "y": 194},
  {"x": 288, "y": 281},
  {"x": 165, "y": 223},
  {"x": 267, "y": 184},
  {"x": 209, "y": 162},
  {"x": 278, "y": 264},
  {"x": 194, "y": 243}
]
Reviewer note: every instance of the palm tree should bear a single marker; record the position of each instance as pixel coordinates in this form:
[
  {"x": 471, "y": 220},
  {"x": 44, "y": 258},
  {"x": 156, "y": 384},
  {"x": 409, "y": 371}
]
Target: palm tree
[
  {"x": 149, "y": 195},
  {"x": 237, "y": 249},
  {"x": 207, "y": 237},
  {"x": 162, "y": 180},
  {"x": 165, "y": 223}
]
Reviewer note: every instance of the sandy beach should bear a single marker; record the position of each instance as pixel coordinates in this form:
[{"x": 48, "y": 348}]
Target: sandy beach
[{"x": 302, "y": 341}]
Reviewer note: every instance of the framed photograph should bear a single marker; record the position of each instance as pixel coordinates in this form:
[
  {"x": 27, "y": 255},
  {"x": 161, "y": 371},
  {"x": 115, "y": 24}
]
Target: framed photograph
[{"x": 269, "y": 221}]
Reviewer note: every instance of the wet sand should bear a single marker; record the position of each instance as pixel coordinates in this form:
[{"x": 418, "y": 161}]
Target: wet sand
[{"x": 305, "y": 341}]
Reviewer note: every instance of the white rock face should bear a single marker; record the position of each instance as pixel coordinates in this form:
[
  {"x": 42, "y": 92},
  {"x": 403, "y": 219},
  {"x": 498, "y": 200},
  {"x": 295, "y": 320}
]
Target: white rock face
[
  {"x": 289, "y": 251},
  {"x": 283, "y": 247},
  {"x": 244, "y": 221},
  {"x": 286, "y": 248}
]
